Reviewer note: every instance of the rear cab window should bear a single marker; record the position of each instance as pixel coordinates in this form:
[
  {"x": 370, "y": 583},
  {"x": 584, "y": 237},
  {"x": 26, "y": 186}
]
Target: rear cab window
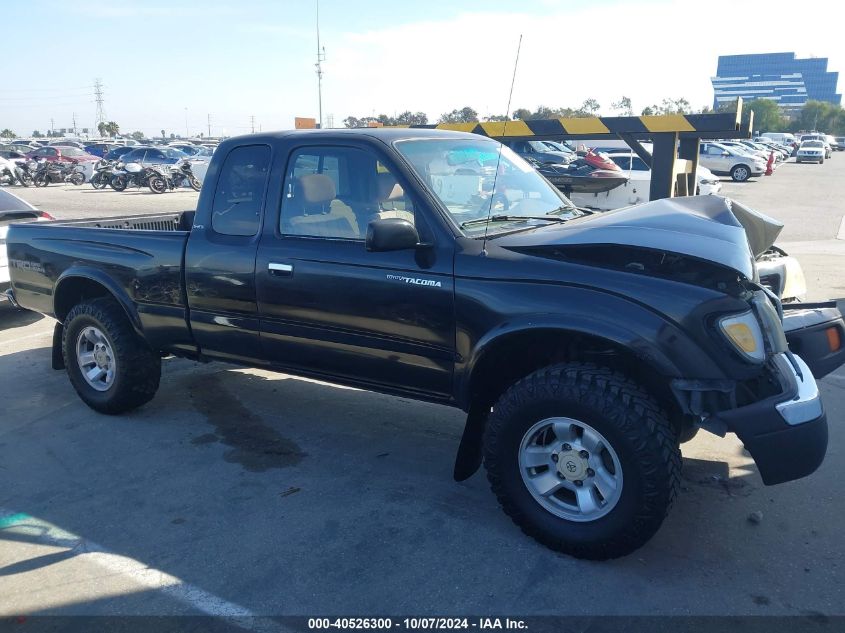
[{"x": 241, "y": 188}]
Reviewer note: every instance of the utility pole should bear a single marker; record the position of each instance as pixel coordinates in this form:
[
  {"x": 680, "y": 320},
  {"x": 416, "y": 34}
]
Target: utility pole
[
  {"x": 252, "y": 122},
  {"x": 98, "y": 97},
  {"x": 209, "y": 125},
  {"x": 51, "y": 126},
  {"x": 187, "y": 134},
  {"x": 321, "y": 57},
  {"x": 74, "y": 123}
]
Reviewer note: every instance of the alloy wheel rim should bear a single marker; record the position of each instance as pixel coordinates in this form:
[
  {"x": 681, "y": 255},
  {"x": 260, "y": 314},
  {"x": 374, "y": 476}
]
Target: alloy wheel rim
[
  {"x": 96, "y": 359},
  {"x": 570, "y": 469}
]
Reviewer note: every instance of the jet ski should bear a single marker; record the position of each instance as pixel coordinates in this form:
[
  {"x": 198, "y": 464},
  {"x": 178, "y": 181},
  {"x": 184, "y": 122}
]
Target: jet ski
[{"x": 592, "y": 173}]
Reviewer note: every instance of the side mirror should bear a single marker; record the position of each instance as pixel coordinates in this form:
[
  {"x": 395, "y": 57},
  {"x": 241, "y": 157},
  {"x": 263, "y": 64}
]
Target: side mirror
[
  {"x": 726, "y": 154},
  {"x": 391, "y": 234}
]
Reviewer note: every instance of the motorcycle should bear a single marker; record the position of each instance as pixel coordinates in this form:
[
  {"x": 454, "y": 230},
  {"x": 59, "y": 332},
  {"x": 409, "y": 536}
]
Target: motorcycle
[
  {"x": 136, "y": 175},
  {"x": 58, "y": 172},
  {"x": 181, "y": 173},
  {"x": 24, "y": 172},
  {"x": 104, "y": 171}
]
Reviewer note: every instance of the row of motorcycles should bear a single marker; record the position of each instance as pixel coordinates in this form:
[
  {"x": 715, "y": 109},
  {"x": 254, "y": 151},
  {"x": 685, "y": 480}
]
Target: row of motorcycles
[
  {"x": 119, "y": 176},
  {"x": 107, "y": 173},
  {"x": 41, "y": 173}
]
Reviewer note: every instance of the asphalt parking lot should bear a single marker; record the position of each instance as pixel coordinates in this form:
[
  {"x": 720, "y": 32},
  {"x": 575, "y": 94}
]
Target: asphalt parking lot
[{"x": 242, "y": 492}]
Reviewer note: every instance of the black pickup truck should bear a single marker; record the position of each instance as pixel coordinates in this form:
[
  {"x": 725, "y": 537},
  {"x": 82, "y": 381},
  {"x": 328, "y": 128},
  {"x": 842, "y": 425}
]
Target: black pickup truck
[{"x": 441, "y": 266}]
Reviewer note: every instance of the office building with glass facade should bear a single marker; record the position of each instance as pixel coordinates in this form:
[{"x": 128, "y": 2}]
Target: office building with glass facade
[{"x": 789, "y": 81}]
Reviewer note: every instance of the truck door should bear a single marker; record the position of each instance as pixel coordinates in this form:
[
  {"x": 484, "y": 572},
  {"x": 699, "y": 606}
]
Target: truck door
[
  {"x": 327, "y": 305},
  {"x": 220, "y": 258}
]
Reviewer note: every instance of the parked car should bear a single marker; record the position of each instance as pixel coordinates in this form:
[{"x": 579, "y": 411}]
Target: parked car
[
  {"x": 828, "y": 150},
  {"x": 727, "y": 161},
  {"x": 17, "y": 147},
  {"x": 541, "y": 151},
  {"x": 147, "y": 155},
  {"x": 116, "y": 153},
  {"x": 68, "y": 154},
  {"x": 65, "y": 142},
  {"x": 13, "y": 210},
  {"x": 584, "y": 347},
  {"x": 834, "y": 144},
  {"x": 99, "y": 149},
  {"x": 15, "y": 157},
  {"x": 812, "y": 151},
  {"x": 745, "y": 149},
  {"x": 780, "y": 137}
]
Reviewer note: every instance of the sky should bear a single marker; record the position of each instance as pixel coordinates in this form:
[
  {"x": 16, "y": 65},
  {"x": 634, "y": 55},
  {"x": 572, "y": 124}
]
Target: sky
[{"x": 165, "y": 63}]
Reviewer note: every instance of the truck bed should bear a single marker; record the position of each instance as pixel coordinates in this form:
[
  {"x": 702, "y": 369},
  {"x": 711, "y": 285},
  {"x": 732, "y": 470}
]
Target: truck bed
[
  {"x": 139, "y": 258},
  {"x": 179, "y": 221}
]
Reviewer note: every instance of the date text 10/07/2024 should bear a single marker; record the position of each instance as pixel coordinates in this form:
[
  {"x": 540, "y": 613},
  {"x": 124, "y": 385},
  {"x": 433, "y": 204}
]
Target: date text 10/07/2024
[{"x": 412, "y": 624}]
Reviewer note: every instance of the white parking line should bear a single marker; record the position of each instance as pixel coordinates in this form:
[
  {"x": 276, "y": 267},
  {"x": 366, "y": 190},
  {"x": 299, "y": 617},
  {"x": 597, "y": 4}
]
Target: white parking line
[
  {"x": 841, "y": 234},
  {"x": 148, "y": 577}
]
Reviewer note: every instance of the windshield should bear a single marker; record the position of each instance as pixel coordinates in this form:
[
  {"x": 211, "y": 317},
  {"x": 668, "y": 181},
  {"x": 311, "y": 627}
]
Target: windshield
[
  {"x": 174, "y": 153},
  {"x": 812, "y": 144},
  {"x": 462, "y": 173},
  {"x": 72, "y": 151}
]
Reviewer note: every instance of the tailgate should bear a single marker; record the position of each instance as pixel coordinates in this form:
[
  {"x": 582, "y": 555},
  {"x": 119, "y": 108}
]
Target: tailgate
[{"x": 816, "y": 332}]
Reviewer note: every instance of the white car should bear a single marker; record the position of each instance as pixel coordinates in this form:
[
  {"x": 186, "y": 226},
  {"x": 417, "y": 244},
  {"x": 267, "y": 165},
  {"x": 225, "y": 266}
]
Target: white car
[
  {"x": 637, "y": 189},
  {"x": 828, "y": 150},
  {"x": 812, "y": 151},
  {"x": 13, "y": 210},
  {"x": 727, "y": 161}
]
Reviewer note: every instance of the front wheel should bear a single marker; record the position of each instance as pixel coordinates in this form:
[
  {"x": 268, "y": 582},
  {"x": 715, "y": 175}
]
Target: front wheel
[
  {"x": 158, "y": 184},
  {"x": 583, "y": 460},
  {"x": 77, "y": 178},
  {"x": 118, "y": 183},
  {"x": 740, "y": 173},
  {"x": 99, "y": 180},
  {"x": 110, "y": 366},
  {"x": 40, "y": 180},
  {"x": 195, "y": 183}
]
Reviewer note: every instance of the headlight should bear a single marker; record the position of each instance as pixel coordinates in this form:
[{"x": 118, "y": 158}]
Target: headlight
[
  {"x": 794, "y": 284},
  {"x": 743, "y": 331}
]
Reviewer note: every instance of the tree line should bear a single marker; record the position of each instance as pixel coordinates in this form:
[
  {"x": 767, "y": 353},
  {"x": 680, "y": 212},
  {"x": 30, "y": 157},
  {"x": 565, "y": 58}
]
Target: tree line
[{"x": 588, "y": 108}]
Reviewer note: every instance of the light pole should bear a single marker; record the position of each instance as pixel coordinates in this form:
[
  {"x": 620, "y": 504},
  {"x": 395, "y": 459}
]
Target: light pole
[
  {"x": 321, "y": 57},
  {"x": 186, "y": 122}
]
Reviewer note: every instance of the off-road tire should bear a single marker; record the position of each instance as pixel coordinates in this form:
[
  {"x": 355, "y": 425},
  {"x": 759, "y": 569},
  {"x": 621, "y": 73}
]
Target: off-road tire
[
  {"x": 633, "y": 423},
  {"x": 138, "y": 367}
]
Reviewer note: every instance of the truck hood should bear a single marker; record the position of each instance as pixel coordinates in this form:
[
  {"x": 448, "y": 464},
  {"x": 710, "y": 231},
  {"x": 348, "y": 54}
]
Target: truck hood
[{"x": 710, "y": 228}]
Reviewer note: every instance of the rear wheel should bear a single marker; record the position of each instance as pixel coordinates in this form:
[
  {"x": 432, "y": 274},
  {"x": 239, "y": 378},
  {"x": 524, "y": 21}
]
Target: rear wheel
[
  {"x": 583, "y": 460},
  {"x": 158, "y": 184},
  {"x": 740, "y": 173},
  {"x": 77, "y": 178},
  {"x": 110, "y": 366}
]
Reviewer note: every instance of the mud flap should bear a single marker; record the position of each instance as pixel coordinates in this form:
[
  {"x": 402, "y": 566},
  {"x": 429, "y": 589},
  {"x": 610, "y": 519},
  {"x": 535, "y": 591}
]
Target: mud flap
[
  {"x": 58, "y": 357},
  {"x": 468, "y": 459}
]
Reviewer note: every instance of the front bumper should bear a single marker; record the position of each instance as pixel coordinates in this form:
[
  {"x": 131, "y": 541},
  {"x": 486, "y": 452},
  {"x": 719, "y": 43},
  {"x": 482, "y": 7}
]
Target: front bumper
[
  {"x": 786, "y": 434},
  {"x": 816, "y": 331}
]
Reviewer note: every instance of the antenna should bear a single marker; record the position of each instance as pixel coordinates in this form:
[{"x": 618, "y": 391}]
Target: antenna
[
  {"x": 321, "y": 57},
  {"x": 499, "y": 157},
  {"x": 98, "y": 97}
]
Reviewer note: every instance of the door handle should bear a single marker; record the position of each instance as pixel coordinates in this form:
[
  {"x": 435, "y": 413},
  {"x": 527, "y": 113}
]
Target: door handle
[{"x": 280, "y": 270}]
